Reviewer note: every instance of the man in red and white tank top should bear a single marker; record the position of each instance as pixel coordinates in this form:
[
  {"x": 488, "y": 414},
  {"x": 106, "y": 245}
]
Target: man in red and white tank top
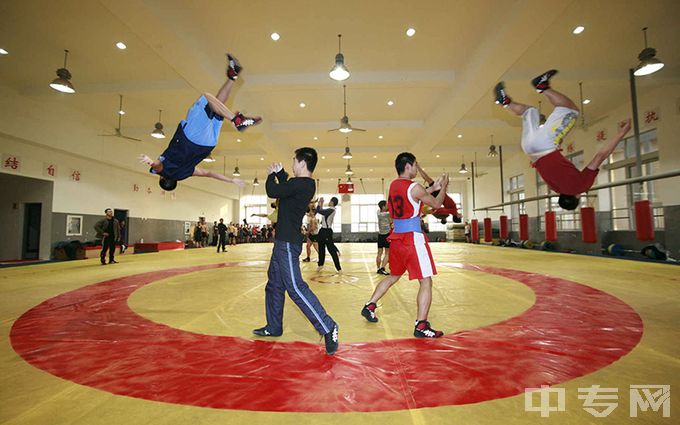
[{"x": 409, "y": 250}]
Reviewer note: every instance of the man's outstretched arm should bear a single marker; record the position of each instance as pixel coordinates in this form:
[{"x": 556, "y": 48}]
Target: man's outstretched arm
[
  {"x": 606, "y": 150},
  {"x": 200, "y": 172}
]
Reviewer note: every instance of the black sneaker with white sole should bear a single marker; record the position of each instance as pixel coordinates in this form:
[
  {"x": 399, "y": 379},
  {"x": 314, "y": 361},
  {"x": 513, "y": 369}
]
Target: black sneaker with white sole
[
  {"x": 423, "y": 330},
  {"x": 331, "y": 339},
  {"x": 264, "y": 331},
  {"x": 542, "y": 82},
  {"x": 502, "y": 97},
  {"x": 233, "y": 67},
  {"x": 369, "y": 312}
]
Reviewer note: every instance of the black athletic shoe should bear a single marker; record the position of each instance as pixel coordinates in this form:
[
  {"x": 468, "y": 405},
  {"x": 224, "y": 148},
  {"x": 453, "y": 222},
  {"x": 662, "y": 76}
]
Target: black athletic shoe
[
  {"x": 423, "y": 330},
  {"x": 369, "y": 312},
  {"x": 264, "y": 332},
  {"x": 241, "y": 122},
  {"x": 542, "y": 82},
  {"x": 383, "y": 272},
  {"x": 331, "y": 339},
  {"x": 233, "y": 67},
  {"x": 502, "y": 98},
  {"x": 456, "y": 218},
  {"x": 306, "y": 260},
  {"x": 113, "y": 262},
  {"x": 103, "y": 262}
]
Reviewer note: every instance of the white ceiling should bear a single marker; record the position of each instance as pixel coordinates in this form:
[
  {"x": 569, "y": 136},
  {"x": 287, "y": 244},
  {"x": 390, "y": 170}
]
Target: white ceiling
[{"x": 440, "y": 80}]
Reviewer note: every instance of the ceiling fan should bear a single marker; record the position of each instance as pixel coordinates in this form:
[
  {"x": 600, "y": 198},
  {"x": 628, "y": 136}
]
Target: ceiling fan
[
  {"x": 345, "y": 126},
  {"x": 120, "y": 118}
]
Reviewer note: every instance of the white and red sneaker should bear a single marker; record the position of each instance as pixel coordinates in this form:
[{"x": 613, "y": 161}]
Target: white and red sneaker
[{"x": 233, "y": 67}]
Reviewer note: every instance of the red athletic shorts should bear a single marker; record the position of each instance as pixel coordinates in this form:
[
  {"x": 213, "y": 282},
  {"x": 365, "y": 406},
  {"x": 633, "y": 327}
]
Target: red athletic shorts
[{"x": 412, "y": 256}]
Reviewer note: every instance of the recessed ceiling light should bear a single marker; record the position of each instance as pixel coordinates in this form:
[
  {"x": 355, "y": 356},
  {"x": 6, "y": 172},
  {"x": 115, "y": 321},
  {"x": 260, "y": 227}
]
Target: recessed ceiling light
[
  {"x": 380, "y": 137},
  {"x": 238, "y": 140},
  {"x": 316, "y": 138},
  {"x": 328, "y": 170},
  {"x": 323, "y": 157},
  {"x": 578, "y": 30},
  {"x": 121, "y": 112},
  {"x": 275, "y": 36},
  {"x": 371, "y": 170},
  {"x": 460, "y": 136},
  {"x": 390, "y": 103},
  {"x": 302, "y": 104},
  {"x": 4, "y": 52},
  {"x": 261, "y": 158},
  {"x": 375, "y": 156},
  {"x": 121, "y": 45},
  {"x": 437, "y": 155},
  {"x": 410, "y": 32},
  {"x": 586, "y": 101}
]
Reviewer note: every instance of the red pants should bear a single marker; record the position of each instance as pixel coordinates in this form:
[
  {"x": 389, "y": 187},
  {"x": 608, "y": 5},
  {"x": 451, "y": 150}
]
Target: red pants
[{"x": 449, "y": 208}]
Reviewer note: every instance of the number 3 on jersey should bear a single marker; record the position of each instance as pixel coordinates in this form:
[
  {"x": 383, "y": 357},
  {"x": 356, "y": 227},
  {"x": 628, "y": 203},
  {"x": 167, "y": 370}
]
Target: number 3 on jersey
[{"x": 397, "y": 206}]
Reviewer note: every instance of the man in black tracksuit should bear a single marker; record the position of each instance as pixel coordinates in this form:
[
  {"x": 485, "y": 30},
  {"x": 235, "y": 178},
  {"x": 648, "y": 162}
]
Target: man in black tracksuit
[
  {"x": 284, "y": 267},
  {"x": 326, "y": 234},
  {"x": 108, "y": 230},
  {"x": 222, "y": 236}
]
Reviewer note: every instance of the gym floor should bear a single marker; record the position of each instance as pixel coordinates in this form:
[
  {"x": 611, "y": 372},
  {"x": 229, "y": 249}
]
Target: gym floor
[{"x": 166, "y": 338}]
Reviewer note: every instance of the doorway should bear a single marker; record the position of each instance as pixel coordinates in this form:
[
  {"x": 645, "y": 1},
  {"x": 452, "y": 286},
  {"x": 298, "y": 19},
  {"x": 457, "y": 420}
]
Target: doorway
[
  {"x": 31, "y": 245},
  {"x": 122, "y": 216}
]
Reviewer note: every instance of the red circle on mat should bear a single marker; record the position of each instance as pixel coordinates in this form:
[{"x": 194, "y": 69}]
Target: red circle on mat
[{"x": 90, "y": 336}]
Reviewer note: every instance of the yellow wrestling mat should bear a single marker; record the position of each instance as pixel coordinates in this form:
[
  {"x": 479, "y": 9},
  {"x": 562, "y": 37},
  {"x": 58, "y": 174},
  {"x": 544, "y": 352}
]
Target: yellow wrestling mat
[{"x": 166, "y": 338}]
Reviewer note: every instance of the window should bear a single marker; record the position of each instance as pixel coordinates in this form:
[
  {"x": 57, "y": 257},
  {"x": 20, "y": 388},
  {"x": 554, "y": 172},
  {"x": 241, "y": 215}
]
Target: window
[
  {"x": 516, "y": 192},
  {"x": 364, "y": 212},
  {"x": 622, "y": 165},
  {"x": 565, "y": 220},
  {"x": 434, "y": 224},
  {"x": 337, "y": 220},
  {"x": 255, "y": 204}
]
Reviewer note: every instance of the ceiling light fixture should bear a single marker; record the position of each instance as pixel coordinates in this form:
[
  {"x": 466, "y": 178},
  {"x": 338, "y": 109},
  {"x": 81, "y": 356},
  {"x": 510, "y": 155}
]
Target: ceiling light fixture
[
  {"x": 339, "y": 71},
  {"x": 349, "y": 171},
  {"x": 63, "y": 81},
  {"x": 238, "y": 140},
  {"x": 4, "y": 52},
  {"x": 158, "y": 128},
  {"x": 410, "y": 32},
  {"x": 390, "y": 102},
  {"x": 578, "y": 30},
  {"x": 316, "y": 138},
  {"x": 256, "y": 182},
  {"x": 302, "y": 104},
  {"x": 347, "y": 154},
  {"x": 121, "y": 45},
  {"x": 380, "y": 137},
  {"x": 323, "y": 157},
  {"x": 460, "y": 136},
  {"x": 586, "y": 101},
  {"x": 209, "y": 158},
  {"x": 463, "y": 169},
  {"x": 649, "y": 64},
  {"x": 492, "y": 151},
  {"x": 236, "y": 172},
  {"x": 275, "y": 36}
]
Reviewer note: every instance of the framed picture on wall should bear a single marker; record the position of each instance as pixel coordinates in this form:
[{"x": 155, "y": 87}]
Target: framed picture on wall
[
  {"x": 187, "y": 227},
  {"x": 74, "y": 225}
]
